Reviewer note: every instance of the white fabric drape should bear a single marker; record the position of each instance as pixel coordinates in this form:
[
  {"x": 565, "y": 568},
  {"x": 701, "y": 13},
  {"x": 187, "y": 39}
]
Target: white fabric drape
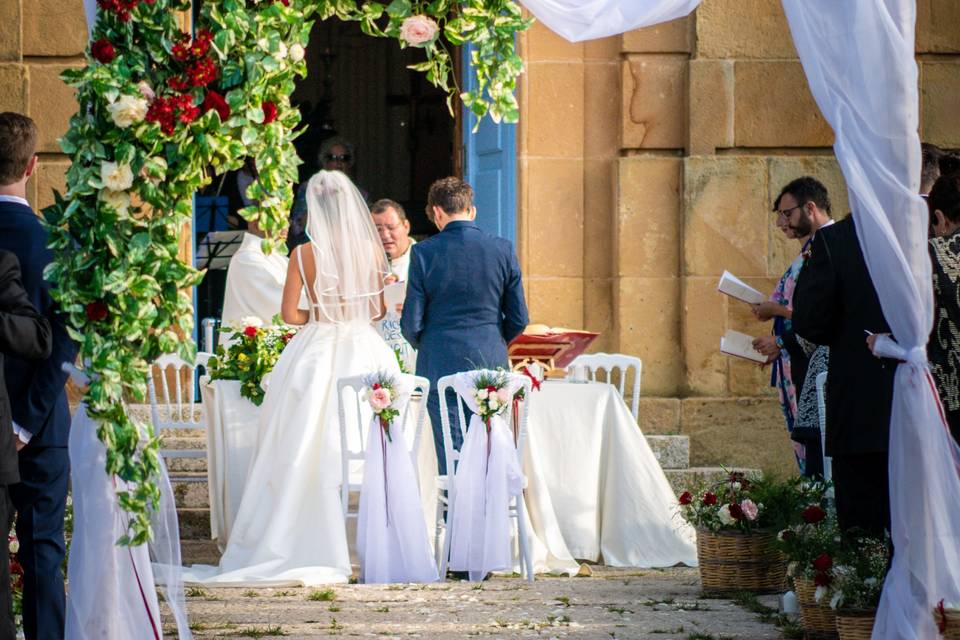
[
  {"x": 859, "y": 59},
  {"x": 488, "y": 476},
  {"x": 392, "y": 541}
]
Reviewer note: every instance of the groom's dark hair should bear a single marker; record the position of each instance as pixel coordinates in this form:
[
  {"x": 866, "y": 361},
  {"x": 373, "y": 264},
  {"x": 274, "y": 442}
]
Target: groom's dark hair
[
  {"x": 453, "y": 195},
  {"x": 18, "y": 143}
]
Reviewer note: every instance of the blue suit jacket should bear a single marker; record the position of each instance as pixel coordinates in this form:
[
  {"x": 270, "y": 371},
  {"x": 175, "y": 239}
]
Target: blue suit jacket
[
  {"x": 464, "y": 301},
  {"x": 38, "y": 398}
]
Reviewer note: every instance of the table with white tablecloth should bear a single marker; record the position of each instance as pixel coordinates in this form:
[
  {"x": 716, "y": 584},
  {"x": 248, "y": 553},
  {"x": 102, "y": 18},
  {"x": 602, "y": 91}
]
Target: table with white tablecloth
[{"x": 594, "y": 491}]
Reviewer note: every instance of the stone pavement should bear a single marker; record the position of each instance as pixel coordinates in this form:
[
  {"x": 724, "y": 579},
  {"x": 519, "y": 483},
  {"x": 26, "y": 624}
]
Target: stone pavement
[{"x": 612, "y": 603}]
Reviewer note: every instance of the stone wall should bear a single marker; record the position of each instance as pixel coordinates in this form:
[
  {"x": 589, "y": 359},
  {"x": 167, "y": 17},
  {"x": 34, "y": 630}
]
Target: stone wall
[{"x": 649, "y": 163}]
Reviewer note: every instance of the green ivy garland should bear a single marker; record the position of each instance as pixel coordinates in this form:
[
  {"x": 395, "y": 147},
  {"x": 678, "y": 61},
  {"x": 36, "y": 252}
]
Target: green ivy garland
[{"x": 161, "y": 113}]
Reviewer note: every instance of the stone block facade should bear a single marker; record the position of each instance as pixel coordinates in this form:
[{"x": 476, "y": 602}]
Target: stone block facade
[
  {"x": 648, "y": 163},
  {"x": 715, "y": 116}
]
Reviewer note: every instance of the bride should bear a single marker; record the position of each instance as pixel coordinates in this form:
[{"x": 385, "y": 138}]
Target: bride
[{"x": 290, "y": 528}]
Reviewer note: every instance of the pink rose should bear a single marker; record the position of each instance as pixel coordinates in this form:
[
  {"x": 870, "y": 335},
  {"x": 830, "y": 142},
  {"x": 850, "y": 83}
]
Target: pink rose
[
  {"x": 504, "y": 395},
  {"x": 146, "y": 90},
  {"x": 750, "y": 509},
  {"x": 379, "y": 399},
  {"x": 418, "y": 31}
]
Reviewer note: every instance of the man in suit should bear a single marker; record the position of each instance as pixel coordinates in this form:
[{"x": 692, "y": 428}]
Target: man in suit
[
  {"x": 41, "y": 416},
  {"x": 464, "y": 299},
  {"x": 834, "y": 304},
  {"x": 24, "y": 333}
]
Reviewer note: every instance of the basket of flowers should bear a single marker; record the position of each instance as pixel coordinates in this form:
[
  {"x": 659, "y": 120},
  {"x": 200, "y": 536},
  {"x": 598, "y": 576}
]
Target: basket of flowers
[
  {"x": 947, "y": 617},
  {"x": 811, "y": 545},
  {"x": 736, "y": 535},
  {"x": 856, "y": 581},
  {"x": 250, "y": 355}
]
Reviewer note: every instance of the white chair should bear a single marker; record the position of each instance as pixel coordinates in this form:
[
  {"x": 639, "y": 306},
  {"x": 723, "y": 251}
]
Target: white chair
[
  {"x": 822, "y": 415},
  {"x": 355, "y": 385},
  {"x": 610, "y": 362},
  {"x": 447, "y": 482},
  {"x": 179, "y": 409}
]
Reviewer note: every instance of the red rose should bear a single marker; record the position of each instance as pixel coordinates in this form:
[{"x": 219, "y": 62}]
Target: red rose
[
  {"x": 214, "y": 100},
  {"x": 709, "y": 498},
  {"x": 491, "y": 389},
  {"x": 376, "y": 385},
  {"x": 102, "y": 51},
  {"x": 823, "y": 562},
  {"x": 813, "y": 514},
  {"x": 821, "y": 579},
  {"x": 96, "y": 311},
  {"x": 250, "y": 332},
  {"x": 736, "y": 512},
  {"x": 287, "y": 337},
  {"x": 686, "y": 497},
  {"x": 269, "y": 111},
  {"x": 786, "y": 534}
]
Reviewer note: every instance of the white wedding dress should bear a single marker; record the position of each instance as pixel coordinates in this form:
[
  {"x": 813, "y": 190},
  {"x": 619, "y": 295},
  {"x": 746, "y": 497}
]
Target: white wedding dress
[{"x": 289, "y": 529}]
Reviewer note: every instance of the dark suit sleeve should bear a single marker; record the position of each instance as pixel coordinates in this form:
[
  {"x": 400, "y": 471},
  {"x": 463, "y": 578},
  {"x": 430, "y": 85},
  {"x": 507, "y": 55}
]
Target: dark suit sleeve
[
  {"x": 24, "y": 333},
  {"x": 513, "y": 306},
  {"x": 815, "y": 311},
  {"x": 415, "y": 304}
]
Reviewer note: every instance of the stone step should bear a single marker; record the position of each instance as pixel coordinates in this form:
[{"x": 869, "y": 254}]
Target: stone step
[
  {"x": 194, "y": 523},
  {"x": 694, "y": 477},
  {"x": 672, "y": 452},
  {"x": 180, "y": 466},
  {"x": 182, "y": 443},
  {"x": 199, "y": 552},
  {"x": 190, "y": 490}
]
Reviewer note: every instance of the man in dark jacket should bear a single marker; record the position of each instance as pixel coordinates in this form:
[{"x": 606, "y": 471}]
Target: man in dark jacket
[
  {"x": 24, "y": 333},
  {"x": 835, "y": 304},
  {"x": 464, "y": 299}
]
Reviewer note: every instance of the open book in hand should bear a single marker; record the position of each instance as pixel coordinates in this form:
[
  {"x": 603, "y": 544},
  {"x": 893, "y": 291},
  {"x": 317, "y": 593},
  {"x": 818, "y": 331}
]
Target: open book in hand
[
  {"x": 395, "y": 293},
  {"x": 737, "y": 288},
  {"x": 734, "y": 343}
]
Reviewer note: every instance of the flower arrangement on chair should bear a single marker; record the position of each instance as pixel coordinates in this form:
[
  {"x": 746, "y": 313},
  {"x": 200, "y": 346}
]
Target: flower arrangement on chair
[
  {"x": 946, "y": 615},
  {"x": 382, "y": 395},
  {"x": 251, "y": 356}
]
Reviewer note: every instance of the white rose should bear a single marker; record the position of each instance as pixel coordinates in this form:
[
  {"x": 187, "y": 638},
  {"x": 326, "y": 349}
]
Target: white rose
[
  {"x": 819, "y": 593},
  {"x": 418, "y": 31},
  {"x": 116, "y": 177},
  {"x": 297, "y": 52},
  {"x": 482, "y": 394},
  {"x": 724, "y": 514},
  {"x": 251, "y": 321},
  {"x": 119, "y": 200},
  {"x": 127, "y": 110},
  {"x": 280, "y": 53},
  {"x": 146, "y": 90},
  {"x": 14, "y": 546}
]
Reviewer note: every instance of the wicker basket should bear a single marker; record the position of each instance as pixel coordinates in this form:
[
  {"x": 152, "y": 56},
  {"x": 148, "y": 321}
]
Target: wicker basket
[
  {"x": 949, "y": 619},
  {"x": 732, "y": 561},
  {"x": 819, "y": 621},
  {"x": 855, "y": 624}
]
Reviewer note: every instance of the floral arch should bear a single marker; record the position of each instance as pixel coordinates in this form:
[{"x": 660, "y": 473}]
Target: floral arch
[{"x": 161, "y": 112}]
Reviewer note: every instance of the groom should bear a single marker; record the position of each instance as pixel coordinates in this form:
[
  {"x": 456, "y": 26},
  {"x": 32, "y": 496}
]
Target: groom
[{"x": 464, "y": 299}]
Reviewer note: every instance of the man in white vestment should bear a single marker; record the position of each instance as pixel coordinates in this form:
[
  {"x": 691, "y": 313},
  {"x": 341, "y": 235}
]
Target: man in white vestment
[
  {"x": 393, "y": 228},
  {"x": 254, "y": 281}
]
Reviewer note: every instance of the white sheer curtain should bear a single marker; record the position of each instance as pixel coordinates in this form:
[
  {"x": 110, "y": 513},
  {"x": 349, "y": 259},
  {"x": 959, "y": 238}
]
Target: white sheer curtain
[{"x": 859, "y": 59}]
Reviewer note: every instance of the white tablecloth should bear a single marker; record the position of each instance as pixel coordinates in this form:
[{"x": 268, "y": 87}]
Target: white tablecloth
[
  {"x": 595, "y": 491},
  {"x": 589, "y": 466}
]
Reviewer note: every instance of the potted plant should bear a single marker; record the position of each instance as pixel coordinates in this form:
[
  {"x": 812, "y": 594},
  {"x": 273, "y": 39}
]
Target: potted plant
[
  {"x": 855, "y": 585},
  {"x": 736, "y": 520}
]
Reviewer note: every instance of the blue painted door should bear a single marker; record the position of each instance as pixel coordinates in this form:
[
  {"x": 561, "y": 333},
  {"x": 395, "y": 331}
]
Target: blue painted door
[{"x": 490, "y": 166}]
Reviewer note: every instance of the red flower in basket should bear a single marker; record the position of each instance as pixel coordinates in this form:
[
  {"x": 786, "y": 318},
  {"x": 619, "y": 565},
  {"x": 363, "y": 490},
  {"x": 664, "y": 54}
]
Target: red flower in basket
[
  {"x": 686, "y": 497},
  {"x": 813, "y": 514},
  {"x": 822, "y": 563},
  {"x": 250, "y": 332},
  {"x": 736, "y": 512},
  {"x": 709, "y": 498},
  {"x": 822, "y": 579}
]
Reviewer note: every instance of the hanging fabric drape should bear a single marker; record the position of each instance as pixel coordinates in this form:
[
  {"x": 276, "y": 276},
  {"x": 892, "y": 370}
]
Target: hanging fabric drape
[{"x": 858, "y": 56}]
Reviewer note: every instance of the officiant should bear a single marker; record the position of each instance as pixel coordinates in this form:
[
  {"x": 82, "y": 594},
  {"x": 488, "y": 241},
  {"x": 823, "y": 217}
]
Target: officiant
[
  {"x": 393, "y": 227},
  {"x": 254, "y": 280}
]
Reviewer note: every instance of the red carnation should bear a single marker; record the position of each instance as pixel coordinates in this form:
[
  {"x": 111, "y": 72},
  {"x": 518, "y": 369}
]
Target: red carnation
[
  {"x": 201, "y": 43},
  {"x": 823, "y": 562},
  {"x": 102, "y": 51},
  {"x": 214, "y": 100},
  {"x": 287, "y": 337},
  {"x": 269, "y": 111},
  {"x": 686, "y": 497},
  {"x": 202, "y": 72},
  {"x": 709, "y": 498},
  {"x": 250, "y": 332},
  {"x": 813, "y": 514},
  {"x": 96, "y": 311},
  {"x": 736, "y": 512},
  {"x": 178, "y": 84}
]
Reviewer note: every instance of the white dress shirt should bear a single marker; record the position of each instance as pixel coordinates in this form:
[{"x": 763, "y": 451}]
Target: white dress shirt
[
  {"x": 254, "y": 283},
  {"x": 389, "y": 327}
]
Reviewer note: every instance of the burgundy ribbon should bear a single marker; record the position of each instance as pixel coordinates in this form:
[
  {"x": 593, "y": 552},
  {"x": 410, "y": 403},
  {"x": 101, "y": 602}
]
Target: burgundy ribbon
[
  {"x": 385, "y": 428},
  {"x": 942, "y": 617},
  {"x": 487, "y": 422},
  {"x": 533, "y": 379}
]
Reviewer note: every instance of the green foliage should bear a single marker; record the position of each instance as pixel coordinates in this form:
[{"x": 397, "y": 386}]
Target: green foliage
[
  {"x": 858, "y": 574},
  {"x": 250, "y": 357}
]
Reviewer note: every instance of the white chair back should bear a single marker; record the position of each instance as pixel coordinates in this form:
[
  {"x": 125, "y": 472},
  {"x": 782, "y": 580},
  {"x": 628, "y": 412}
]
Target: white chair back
[
  {"x": 822, "y": 415},
  {"x": 354, "y": 386},
  {"x": 610, "y": 362},
  {"x": 447, "y": 482},
  {"x": 175, "y": 408}
]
